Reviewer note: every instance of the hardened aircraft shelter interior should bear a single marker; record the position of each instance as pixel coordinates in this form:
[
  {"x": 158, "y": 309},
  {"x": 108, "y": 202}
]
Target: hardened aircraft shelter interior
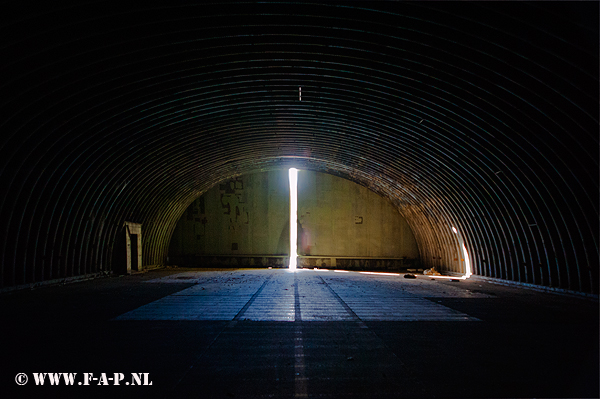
[{"x": 308, "y": 199}]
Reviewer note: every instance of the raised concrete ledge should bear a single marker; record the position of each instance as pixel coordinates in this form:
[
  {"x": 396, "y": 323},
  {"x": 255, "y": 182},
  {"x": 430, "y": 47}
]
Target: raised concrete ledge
[
  {"x": 309, "y": 261},
  {"x": 535, "y": 287},
  {"x": 357, "y": 262},
  {"x": 233, "y": 261},
  {"x": 56, "y": 281}
]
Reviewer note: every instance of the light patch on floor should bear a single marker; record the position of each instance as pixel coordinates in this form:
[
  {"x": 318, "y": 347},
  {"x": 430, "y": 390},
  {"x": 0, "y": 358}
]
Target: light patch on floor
[
  {"x": 193, "y": 307},
  {"x": 223, "y": 295},
  {"x": 422, "y": 286}
]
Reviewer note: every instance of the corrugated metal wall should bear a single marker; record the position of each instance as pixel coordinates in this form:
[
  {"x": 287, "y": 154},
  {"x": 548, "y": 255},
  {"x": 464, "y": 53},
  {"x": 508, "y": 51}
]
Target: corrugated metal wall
[{"x": 478, "y": 116}]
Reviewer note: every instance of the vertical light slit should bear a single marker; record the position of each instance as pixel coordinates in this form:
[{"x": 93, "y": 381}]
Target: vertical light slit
[
  {"x": 467, "y": 262},
  {"x": 468, "y": 272},
  {"x": 293, "y": 175}
]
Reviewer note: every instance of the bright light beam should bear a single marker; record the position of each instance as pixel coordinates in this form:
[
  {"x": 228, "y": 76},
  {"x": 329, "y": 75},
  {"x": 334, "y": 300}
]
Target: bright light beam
[
  {"x": 293, "y": 175},
  {"x": 467, "y": 262},
  {"x": 465, "y": 254}
]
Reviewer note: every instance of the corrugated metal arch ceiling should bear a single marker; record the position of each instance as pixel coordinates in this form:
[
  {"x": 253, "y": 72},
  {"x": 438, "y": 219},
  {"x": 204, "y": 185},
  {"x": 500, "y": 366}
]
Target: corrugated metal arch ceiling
[{"x": 481, "y": 116}]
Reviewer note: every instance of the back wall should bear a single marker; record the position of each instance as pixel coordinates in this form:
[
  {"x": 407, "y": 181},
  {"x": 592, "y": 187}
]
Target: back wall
[{"x": 249, "y": 215}]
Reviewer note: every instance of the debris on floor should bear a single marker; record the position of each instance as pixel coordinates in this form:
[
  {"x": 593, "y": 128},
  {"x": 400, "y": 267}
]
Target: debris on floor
[
  {"x": 431, "y": 272},
  {"x": 408, "y": 275}
]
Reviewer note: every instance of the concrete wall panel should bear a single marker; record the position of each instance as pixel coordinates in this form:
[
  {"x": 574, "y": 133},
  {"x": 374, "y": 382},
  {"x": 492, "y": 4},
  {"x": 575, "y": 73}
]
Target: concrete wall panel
[
  {"x": 245, "y": 215},
  {"x": 249, "y": 215}
]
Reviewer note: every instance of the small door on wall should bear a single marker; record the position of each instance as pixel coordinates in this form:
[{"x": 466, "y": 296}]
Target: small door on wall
[
  {"x": 127, "y": 252},
  {"x": 134, "y": 246},
  {"x": 120, "y": 250},
  {"x": 133, "y": 239}
]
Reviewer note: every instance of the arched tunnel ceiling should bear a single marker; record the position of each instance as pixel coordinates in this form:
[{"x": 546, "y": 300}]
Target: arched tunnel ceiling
[{"x": 482, "y": 116}]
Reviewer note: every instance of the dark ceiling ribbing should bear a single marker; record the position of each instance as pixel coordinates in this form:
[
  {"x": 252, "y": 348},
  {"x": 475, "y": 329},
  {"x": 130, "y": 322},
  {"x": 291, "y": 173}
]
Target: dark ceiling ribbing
[{"x": 482, "y": 116}]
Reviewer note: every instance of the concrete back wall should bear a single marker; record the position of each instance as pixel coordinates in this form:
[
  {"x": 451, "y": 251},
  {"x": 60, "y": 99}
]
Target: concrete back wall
[
  {"x": 338, "y": 217},
  {"x": 250, "y": 216}
]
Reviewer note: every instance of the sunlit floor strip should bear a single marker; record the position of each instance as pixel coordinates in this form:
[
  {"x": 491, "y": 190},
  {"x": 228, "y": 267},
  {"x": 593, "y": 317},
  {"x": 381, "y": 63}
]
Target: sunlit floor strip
[
  {"x": 381, "y": 273},
  {"x": 446, "y": 277}
]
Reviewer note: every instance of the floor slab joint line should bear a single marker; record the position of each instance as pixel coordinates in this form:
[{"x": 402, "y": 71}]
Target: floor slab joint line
[
  {"x": 300, "y": 385},
  {"x": 185, "y": 373},
  {"x": 227, "y": 325},
  {"x": 251, "y": 300},
  {"x": 382, "y": 342},
  {"x": 344, "y": 304}
]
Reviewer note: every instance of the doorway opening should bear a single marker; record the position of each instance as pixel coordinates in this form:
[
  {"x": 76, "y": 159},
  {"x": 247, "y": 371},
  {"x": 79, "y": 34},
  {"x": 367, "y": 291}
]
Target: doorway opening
[{"x": 133, "y": 241}]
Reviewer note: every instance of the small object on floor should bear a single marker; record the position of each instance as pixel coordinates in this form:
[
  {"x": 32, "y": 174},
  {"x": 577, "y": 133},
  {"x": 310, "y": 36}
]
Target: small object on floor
[
  {"x": 349, "y": 358},
  {"x": 408, "y": 275},
  {"x": 431, "y": 272}
]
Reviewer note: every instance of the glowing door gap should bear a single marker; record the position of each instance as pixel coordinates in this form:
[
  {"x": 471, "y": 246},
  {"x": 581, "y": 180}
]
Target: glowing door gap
[
  {"x": 468, "y": 272},
  {"x": 293, "y": 173}
]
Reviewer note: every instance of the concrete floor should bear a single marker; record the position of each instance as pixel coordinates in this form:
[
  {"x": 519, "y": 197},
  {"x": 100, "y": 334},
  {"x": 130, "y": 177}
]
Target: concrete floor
[{"x": 274, "y": 333}]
